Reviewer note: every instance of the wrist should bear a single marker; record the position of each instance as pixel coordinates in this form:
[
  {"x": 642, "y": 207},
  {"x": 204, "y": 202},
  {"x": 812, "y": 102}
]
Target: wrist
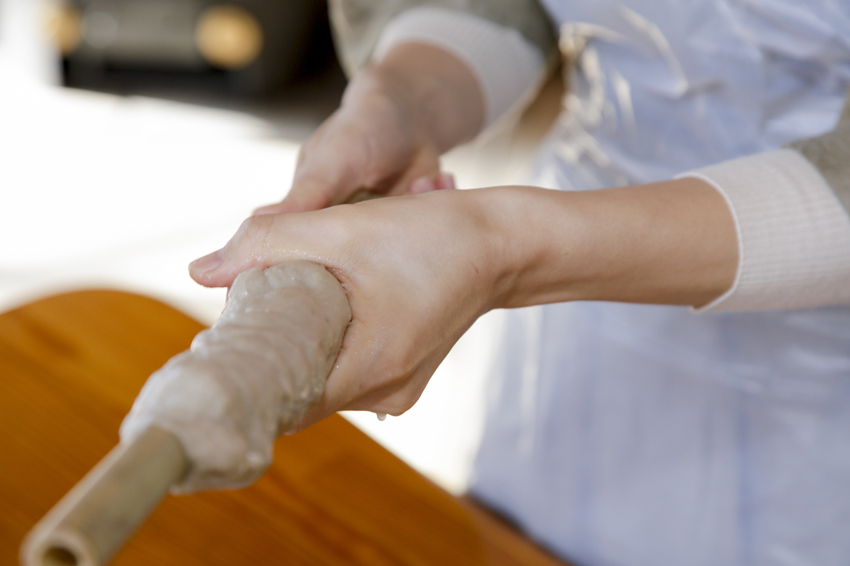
[
  {"x": 530, "y": 240},
  {"x": 667, "y": 243}
]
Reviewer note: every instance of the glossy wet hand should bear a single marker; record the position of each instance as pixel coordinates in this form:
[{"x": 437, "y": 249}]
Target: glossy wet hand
[{"x": 416, "y": 273}]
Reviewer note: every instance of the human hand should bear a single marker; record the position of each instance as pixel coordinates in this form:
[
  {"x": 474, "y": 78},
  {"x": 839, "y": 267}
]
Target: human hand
[
  {"x": 395, "y": 120},
  {"x": 417, "y": 271}
]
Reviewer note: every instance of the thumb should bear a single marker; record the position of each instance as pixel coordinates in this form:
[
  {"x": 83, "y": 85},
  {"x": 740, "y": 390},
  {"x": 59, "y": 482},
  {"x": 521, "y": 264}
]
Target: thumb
[{"x": 249, "y": 247}]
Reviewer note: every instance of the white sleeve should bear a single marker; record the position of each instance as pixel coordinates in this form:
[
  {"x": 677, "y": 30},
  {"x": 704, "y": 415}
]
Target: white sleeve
[
  {"x": 509, "y": 68},
  {"x": 793, "y": 233}
]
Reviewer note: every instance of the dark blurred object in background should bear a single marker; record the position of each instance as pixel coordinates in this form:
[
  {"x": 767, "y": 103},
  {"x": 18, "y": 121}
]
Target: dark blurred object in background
[{"x": 244, "y": 47}]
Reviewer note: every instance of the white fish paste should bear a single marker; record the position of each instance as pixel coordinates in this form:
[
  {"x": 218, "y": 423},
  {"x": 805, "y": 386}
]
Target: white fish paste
[{"x": 248, "y": 378}]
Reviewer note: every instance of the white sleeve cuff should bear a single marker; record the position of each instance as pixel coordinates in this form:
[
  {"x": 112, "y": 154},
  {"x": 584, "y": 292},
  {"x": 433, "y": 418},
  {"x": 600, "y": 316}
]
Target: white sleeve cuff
[
  {"x": 793, "y": 233},
  {"x": 508, "y": 67}
]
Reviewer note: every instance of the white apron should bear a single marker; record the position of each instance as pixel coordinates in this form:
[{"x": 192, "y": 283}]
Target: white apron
[{"x": 632, "y": 435}]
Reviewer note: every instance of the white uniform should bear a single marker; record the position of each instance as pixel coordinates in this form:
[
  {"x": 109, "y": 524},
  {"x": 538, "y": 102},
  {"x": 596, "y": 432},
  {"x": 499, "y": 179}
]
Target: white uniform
[
  {"x": 631, "y": 435},
  {"x": 628, "y": 435}
]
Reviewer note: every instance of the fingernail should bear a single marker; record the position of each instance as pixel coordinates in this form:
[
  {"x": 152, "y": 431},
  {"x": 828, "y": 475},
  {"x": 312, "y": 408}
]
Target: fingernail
[
  {"x": 447, "y": 181},
  {"x": 421, "y": 185},
  {"x": 208, "y": 262}
]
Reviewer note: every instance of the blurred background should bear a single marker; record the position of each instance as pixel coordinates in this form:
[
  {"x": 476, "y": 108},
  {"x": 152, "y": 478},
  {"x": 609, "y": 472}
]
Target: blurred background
[{"x": 136, "y": 135}]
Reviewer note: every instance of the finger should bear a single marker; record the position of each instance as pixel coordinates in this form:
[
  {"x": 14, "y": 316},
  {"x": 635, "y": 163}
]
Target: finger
[
  {"x": 392, "y": 400},
  {"x": 426, "y": 184},
  {"x": 422, "y": 185},
  {"x": 342, "y": 385},
  {"x": 250, "y": 247},
  {"x": 362, "y": 195},
  {"x": 205, "y": 264},
  {"x": 307, "y": 193},
  {"x": 445, "y": 182},
  {"x": 361, "y": 382},
  {"x": 425, "y": 165},
  {"x": 313, "y": 193}
]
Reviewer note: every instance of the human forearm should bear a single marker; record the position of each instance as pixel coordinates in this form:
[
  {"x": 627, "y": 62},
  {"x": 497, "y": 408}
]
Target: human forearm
[
  {"x": 671, "y": 243},
  {"x": 420, "y": 270}
]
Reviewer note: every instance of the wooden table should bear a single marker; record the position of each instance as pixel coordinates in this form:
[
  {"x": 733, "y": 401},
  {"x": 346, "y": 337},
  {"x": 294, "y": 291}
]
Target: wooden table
[{"x": 70, "y": 367}]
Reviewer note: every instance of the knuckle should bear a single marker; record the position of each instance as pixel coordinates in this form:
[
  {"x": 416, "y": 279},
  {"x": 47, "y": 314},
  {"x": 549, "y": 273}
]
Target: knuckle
[
  {"x": 252, "y": 236},
  {"x": 255, "y": 228},
  {"x": 405, "y": 392},
  {"x": 398, "y": 404}
]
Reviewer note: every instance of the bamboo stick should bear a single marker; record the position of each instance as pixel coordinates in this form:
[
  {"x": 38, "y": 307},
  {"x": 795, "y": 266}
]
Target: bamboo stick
[{"x": 92, "y": 522}]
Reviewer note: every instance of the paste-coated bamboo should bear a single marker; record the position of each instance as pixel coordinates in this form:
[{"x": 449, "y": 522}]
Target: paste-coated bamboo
[{"x": 71, "y": 366}]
